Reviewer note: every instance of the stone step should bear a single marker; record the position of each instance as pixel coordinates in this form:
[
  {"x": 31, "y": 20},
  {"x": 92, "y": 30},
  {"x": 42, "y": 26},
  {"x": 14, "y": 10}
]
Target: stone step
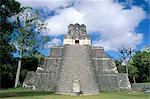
[{"x": 77, "y": 65}]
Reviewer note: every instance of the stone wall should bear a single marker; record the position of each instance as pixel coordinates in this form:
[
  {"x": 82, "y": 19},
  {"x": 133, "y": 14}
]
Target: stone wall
[
  {"x": 98, "y": 52},
  {"x": 94, "y": 70},
  {"x": 46, "y": 79},
  {"x": 123, "y": 81},
  {"x": 106, "y": 72},
  {"x": 29, "y": 80},
  {"x": 56, "y": 52},
  {"x": 141, "y": 86},
  {"x": 77, "y": 66},
  {"x": 102, "y": 63},
  {"x": 108, "y": 82},
  {"x": 47, "y": 74}
]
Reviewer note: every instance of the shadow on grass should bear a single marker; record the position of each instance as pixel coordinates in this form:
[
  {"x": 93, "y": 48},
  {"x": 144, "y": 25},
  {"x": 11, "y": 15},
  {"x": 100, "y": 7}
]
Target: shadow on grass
[{"x": 21, "y": 94}]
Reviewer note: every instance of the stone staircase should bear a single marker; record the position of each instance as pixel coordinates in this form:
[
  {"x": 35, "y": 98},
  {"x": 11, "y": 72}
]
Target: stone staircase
[{"x": 77, "y": 65}]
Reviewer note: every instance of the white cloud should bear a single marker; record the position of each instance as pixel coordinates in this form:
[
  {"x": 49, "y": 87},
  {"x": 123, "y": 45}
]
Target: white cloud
[
  {"x": 115, "y": 24},
  {"x": 54, "y": 42},
  {"x": 127, "y": 40},
  {"x": 58, "y": 24},
  {"x": 51, "y": 4}
]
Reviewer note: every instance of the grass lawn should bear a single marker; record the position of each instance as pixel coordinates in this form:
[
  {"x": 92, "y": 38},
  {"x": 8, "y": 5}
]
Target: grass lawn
[{"x": 22, "y": 93}]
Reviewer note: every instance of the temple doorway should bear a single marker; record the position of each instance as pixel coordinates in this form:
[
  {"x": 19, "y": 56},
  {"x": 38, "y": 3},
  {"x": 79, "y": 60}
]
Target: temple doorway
[{"x": 76, "y": 41}]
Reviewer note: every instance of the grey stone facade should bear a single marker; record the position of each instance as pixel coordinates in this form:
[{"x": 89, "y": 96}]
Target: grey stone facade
[
  {"x": 76, "y": 31},
  {"x": 89, "y": 65}
]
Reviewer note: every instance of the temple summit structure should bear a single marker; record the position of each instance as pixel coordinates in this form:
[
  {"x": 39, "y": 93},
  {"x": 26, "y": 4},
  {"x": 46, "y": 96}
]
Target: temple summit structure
[{"x": 77, "y": 67}]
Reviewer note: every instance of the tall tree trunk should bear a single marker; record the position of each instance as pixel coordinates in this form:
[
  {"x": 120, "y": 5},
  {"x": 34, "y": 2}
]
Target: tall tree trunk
[
  {"x": 134, "y": 81},
  {"x": 127, "y": 71},
  {"x": 18, "y": 69}
]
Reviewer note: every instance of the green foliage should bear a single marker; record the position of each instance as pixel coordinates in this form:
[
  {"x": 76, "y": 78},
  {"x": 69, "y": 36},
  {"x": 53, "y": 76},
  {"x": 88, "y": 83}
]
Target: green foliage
[
  {"x": 138, "y": 65},
  {"x": 30, "y": 63},
  {"x": 7, "y": 75},
  {"x": 8, "y": 8},
  {"x": 141, "y": 63},
  {"x": 15, "y": 36},
  {"x": 27, "y": 35},
  {"x": 133, "y": 72},
  {"x": 132, "y": 69}
]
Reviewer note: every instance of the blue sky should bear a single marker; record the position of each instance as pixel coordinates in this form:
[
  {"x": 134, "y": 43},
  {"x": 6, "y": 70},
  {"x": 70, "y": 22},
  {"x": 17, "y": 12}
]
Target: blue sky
[{"x": 110, "y": 23}]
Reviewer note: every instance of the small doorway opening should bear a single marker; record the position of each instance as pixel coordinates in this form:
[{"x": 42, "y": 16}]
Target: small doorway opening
[
  {"x": 76, "y": 87},
  {"x": 76, "y": 41}
]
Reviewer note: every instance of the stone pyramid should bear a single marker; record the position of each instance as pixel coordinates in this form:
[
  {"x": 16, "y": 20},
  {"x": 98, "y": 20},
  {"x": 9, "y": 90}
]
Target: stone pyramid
[{"x": 76, "y": 67}]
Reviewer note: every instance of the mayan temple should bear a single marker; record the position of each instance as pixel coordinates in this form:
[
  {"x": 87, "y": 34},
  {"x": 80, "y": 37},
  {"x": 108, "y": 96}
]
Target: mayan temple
[{"x": 77, "y": 66}]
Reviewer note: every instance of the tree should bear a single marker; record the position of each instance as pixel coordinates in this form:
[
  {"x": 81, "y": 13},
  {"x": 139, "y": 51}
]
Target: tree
[
  {"x": 141, "y": 61},
  {"x": 132, "y": 71},
  {"x": 27, "y": 35},
  {"x": 126, "y": 55},
  {"x": 8, "y": 8}
]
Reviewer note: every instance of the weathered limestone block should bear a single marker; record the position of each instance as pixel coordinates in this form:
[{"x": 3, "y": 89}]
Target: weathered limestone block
[
  {"x": 106, "y": 72},
  {"x": 98, "y": 52},
  {"x": 29, "y": 80},
  {"x": 124, "y": 83},
  {"x": 141, "y": 87},
  {"x": 56, "y": 52},
  {"x": 44, "y": 81},
  {"x": 46, "y": 75},
  {"x": 104, "y": 65},
  {"x": 76, "y": 34},
  {"x": 108, "y": 82},
  {"x": 51, "y": 64},
  {"x": 77, "y": 65}
]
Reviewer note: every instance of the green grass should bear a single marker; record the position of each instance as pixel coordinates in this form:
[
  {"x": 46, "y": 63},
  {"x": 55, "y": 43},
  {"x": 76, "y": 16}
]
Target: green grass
[
  {"x": 23, "y": 93},
  {"x": 146, "y": 83}
]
